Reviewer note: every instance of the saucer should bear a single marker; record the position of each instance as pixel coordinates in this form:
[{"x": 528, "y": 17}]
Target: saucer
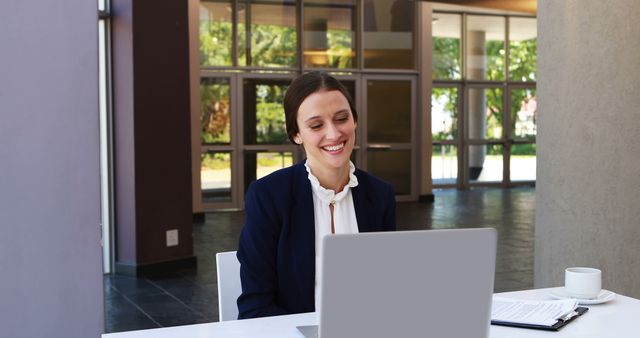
[{"x": 603, "y": 297}]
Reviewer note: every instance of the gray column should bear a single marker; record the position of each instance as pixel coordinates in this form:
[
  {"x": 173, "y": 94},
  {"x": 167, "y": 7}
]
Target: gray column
[
  {"x": 588, "y": 179},
  {"x": 476, "y": 120},
  {"x": 50, "y": 255}
]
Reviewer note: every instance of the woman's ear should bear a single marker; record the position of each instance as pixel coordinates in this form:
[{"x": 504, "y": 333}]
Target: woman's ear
[{"x": 297, "y": 139}]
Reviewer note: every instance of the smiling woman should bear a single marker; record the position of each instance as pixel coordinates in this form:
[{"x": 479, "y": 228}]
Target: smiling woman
[{"x": 289, "y": 211}]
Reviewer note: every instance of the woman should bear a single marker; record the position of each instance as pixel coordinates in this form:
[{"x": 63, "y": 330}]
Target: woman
[{"x": 289, "y": 211}]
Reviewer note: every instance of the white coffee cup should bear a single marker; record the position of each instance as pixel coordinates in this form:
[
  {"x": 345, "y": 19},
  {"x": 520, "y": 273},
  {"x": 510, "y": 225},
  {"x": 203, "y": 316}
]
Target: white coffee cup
[{"x": 583, "y": 283}]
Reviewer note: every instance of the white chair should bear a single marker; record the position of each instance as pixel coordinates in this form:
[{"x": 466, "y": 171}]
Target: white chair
[{"x": 229, "y": 287}]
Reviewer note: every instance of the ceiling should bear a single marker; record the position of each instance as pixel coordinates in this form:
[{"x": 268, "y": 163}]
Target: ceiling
[{"x": 519, "y": 6}]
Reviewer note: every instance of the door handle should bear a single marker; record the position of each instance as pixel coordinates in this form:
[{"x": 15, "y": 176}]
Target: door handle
[{"x": 380, "y": 146}]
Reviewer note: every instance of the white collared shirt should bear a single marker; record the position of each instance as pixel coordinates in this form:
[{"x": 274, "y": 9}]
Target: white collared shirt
[{"x": 344, "y": 215}]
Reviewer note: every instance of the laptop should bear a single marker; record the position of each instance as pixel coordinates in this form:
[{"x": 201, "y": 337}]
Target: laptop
[{"x": 431, "y": 283}]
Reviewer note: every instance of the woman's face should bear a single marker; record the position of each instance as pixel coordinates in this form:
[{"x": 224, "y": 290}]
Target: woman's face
[{"x": 326, "y": 130}]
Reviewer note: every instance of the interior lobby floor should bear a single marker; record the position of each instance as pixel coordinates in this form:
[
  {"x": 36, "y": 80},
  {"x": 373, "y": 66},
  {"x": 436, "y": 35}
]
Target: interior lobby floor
[{"x": 190, "y": 296}]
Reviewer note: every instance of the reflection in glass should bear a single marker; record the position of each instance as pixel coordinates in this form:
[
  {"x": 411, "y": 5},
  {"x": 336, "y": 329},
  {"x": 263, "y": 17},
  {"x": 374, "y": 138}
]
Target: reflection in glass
[
  {"x": 523, "y": 114},
  {"x": 216, "y": 34},
  {"x": 388, "y": 34},
  {"x": 485, "y": 163},
  {"x": 485, "y": 47},
  {"x": 329, "y": 33},
  {"x": 485, "y": 114},
  {"x": 522, "y": 49},
  {"x": 393, "y": 166},
  {"x": 445, "y": 59},
  {"x": 523, "y": 162},
  {"x": 444, "y": 164},
  {"x": 215, "y": 118},
  {"x": 270, "y": 40},
  {"x": 260, "y": 164},
  {"x": 264, "y": 121},
  {"x": 215, "y": 177},
  {"x": 444, "y": 114},
  {"x": 389, "y": 111}
]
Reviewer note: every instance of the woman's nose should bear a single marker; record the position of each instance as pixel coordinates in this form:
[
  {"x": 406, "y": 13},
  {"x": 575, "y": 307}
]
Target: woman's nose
[{"x": 332, "y": 132}]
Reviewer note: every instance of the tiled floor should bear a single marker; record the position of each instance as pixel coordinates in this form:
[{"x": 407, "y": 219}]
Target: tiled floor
[{"x": 190, "y": 296}]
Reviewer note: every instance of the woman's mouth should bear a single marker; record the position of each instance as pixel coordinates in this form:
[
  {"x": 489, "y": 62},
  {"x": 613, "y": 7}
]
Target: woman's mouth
[{"x": 334, "y": 148}]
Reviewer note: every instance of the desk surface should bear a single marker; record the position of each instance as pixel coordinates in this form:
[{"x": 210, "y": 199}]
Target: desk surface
[{"x": 618, "y": 318}]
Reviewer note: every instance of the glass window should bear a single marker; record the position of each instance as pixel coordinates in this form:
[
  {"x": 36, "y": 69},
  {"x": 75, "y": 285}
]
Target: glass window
[
  {"x": 215, "y": 107},
  {"x": 445, "y": 57},
  {"x": 393, "y": 166},
  {"x": 267, "y": 34},
  {"x": 444, "y": 114},
  {"x": 261, "y": 164},
  {"x": 522, "y": 49},
  {"x": 485, "y": 163},
  {"x": 388, "y": 120},
  {"x": 388, "y": 34},
  {"x": 215, "y": 177},
  {"x": 444, "y": 164},
  {"x": 485, "y": 114},
  {"x": 485, "y": 47},
  {"x": 523, "y": 162},
  {"x": 523, "y": 114},
  {"x": 216, "y": 33},
  {"x": 329, "y": 33},
  {"x": 264, "y": 121}
]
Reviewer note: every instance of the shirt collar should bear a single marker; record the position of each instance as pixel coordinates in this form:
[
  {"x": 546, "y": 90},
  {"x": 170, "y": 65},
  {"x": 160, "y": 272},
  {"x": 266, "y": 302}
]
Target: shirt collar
[{"x": 327, "y": 195}]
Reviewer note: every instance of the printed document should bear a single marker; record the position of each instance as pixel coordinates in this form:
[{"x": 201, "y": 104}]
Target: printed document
[{"x": 546, "y": 312}]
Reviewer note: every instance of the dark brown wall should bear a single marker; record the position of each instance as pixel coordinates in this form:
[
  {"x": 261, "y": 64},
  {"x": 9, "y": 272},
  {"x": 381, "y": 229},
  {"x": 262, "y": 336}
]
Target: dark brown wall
[{"x": 160, "y": 137}]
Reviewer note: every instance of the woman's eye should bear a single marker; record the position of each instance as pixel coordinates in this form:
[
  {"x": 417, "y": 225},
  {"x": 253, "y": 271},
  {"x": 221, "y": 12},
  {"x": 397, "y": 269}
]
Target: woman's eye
[{"x": 315, "y": 126}]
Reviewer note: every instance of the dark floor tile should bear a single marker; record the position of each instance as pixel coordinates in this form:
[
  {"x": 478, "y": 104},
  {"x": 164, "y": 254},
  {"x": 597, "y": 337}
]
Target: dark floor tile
[
  {"x": 166, "y": 309},
  {"x": 123, "y": 315},
  {"x": 131, "y": 285}
]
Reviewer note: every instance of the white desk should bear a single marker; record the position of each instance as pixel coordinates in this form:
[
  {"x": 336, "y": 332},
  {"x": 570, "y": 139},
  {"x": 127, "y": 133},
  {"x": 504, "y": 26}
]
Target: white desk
[{"x": 619, "y": 318}]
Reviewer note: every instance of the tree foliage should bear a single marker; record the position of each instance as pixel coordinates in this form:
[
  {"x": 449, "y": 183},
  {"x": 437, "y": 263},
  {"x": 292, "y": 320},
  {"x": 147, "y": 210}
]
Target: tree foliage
[{"x": 446, "y": 65}]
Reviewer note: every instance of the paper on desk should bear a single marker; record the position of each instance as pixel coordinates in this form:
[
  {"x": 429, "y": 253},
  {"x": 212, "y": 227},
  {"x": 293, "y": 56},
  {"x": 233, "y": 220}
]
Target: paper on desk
[{"x": 544, "y": 312}]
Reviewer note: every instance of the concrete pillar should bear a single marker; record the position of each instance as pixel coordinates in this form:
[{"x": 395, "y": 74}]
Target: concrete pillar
[
  {"x": 476, "y": 120},
  {"x": 587, "y": 211},
  {"x": 50, "y": 255}
]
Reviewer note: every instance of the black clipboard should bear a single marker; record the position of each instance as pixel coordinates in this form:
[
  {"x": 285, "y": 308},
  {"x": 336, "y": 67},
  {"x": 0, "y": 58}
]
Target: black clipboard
[{"x": 555, "y": 327}]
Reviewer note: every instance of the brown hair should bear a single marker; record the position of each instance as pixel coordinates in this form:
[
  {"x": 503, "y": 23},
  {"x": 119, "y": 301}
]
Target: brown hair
[{"x": 305, "y": 85}]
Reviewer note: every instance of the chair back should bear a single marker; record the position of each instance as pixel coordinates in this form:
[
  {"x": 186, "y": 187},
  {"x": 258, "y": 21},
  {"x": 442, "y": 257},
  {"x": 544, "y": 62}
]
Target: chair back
[{"x": 229, "y": 287}]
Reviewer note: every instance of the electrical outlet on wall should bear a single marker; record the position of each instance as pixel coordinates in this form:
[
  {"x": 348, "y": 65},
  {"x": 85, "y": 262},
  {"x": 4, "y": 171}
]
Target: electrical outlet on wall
[{"x": 172, "y": 237}]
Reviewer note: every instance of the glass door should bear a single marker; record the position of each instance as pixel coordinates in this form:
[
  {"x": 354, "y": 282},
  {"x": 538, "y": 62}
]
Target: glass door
[
  {"x": 522, "y": 134},
  {"x": 485, "y": 146},
  {"x": 265, "y": 145},
  {"x": 388, "y": 131},
  {"x": 217, "y": 141},
  {"x": 445, "y": 134}
]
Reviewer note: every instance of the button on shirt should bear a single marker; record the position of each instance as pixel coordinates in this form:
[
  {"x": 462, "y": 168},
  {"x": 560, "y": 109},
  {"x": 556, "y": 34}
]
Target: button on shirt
[{"x": 344, "y": 216}]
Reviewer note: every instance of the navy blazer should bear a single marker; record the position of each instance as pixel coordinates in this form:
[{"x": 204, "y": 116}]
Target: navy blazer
[{"x": 277, "y": 244}]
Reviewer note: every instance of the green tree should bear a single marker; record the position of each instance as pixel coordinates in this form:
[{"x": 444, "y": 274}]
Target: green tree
[
  {"x": 445, "y": 58},
  {"x": 215, "y": 43},
  {"x": 214, "y": 111},
  {"x": 270, "y": 119}
]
